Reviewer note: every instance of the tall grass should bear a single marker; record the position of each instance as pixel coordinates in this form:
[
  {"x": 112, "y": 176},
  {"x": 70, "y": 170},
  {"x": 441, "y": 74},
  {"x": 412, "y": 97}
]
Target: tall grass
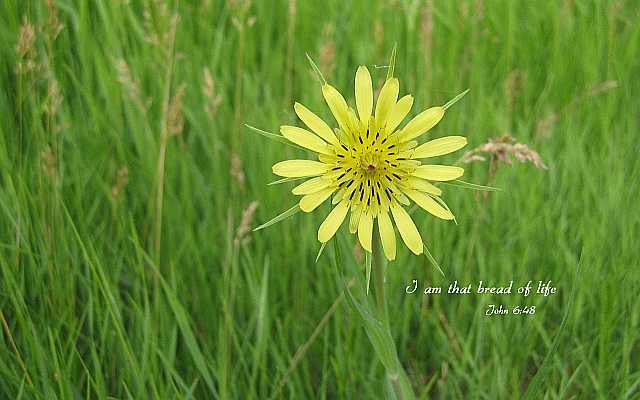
[{"x": 126, "y": 270}]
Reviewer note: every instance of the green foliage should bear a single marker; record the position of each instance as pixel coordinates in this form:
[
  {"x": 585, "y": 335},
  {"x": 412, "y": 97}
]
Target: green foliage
[{"x": 128, "y": 268}]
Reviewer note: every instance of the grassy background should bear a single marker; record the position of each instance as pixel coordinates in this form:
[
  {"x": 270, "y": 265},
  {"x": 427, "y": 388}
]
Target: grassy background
[{"x": 125, "y": 268}]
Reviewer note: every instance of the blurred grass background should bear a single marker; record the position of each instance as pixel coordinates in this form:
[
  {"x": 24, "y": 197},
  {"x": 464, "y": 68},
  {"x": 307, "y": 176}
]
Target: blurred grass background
[{"x": 127, "y": 269}]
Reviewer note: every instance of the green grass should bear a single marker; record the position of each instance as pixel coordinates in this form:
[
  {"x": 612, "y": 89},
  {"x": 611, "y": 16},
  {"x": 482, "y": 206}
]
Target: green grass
[{"x": 121, "y": 297}]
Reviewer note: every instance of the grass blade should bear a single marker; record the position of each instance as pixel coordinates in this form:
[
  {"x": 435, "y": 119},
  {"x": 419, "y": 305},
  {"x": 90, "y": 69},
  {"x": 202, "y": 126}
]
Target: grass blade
[
  {"x": 537, "y": 383},
  {"x": 191, "y": 343}
]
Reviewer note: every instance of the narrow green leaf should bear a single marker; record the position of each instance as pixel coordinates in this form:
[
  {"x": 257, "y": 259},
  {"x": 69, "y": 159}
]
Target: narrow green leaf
[
  {"x": 446, "y": 207},
  {"x": 472, "y": 186},
  {"x": 455, "y": 99},
  {"x": 431, "y": 259},
  {"x": 292, "y": 211},
  {"x": 392, "y": 62},
  {"x": 285, "y": 180},
  {"x": 316, "y": 69},
  {"x": 320, "y": 251},
  {"x": 274, "y": 137},
  {"x": 367, "y": 264},
  {"x": 377, "y": 332}
]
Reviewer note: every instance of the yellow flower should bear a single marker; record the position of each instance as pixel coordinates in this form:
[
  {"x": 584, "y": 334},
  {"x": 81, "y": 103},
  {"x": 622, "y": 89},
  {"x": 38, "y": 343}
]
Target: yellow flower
[{"x": 369, "y": 165}]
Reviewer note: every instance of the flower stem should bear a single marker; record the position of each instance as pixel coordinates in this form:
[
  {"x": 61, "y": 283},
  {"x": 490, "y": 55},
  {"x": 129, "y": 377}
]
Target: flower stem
[
  {"x": 399, "y": 385},
  {"x": 378, "y": 278}
]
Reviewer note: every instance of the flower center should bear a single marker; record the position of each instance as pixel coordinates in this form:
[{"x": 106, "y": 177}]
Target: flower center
[{"x": 370, "y": 162}]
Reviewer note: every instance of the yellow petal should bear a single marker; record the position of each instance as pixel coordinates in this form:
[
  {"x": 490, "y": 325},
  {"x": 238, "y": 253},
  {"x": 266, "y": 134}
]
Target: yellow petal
[
  {"x": 387, "y": 236},
  {"x": 402, "y": 198},
  {"x": 421, "y": 123},
  {"x": 316, "y": 124},
  {"x": 311, "y": 201},
  {"x": 440, "y": 146},
  {"x": 386, "y": 100},
  {"x": 304, "y": 138},
  {"x": 407, "y": 228},
  {"x": 364, "y": 94},
  {"x": 337, "y": 197},
  {"x": 398, "y": 112},
  {"x": 311, "y": 186},
  {"x": 300, "y": 168},
  {"x": 438, "y": 172},
  {"x": 365, "y": 230},
  {"x": 407, "y": 145},
  {"x": 333, "y": 222},
  {"x": 337, "y": 104},
  {"x": 422, "y": 186},
  {"x": 429, "y": 204},
  {"x": 354, "y": 219},
  {"x": 331, "y": 158}
]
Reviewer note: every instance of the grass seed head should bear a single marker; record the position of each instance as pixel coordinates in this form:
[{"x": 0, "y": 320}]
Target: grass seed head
[
  {"x": 242, "y": 233},
  {"x": 175, "y": 116},
  {"x": 327, "y": 51},
  {"x": 49, "y": 163},
  {"x": 25, "y": 48},
  {"x": 121, "y": 181},
  {"x": 236, "y": 171},
  {"x": 502, "y": 148},
  {"x": 209, "y": 91}
]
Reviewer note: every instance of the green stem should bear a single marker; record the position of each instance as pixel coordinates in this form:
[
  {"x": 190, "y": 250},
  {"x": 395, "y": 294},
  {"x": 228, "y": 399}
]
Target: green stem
[
  {"x": 378, "y": 278},
  {"x": 399, "y": 384}
]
